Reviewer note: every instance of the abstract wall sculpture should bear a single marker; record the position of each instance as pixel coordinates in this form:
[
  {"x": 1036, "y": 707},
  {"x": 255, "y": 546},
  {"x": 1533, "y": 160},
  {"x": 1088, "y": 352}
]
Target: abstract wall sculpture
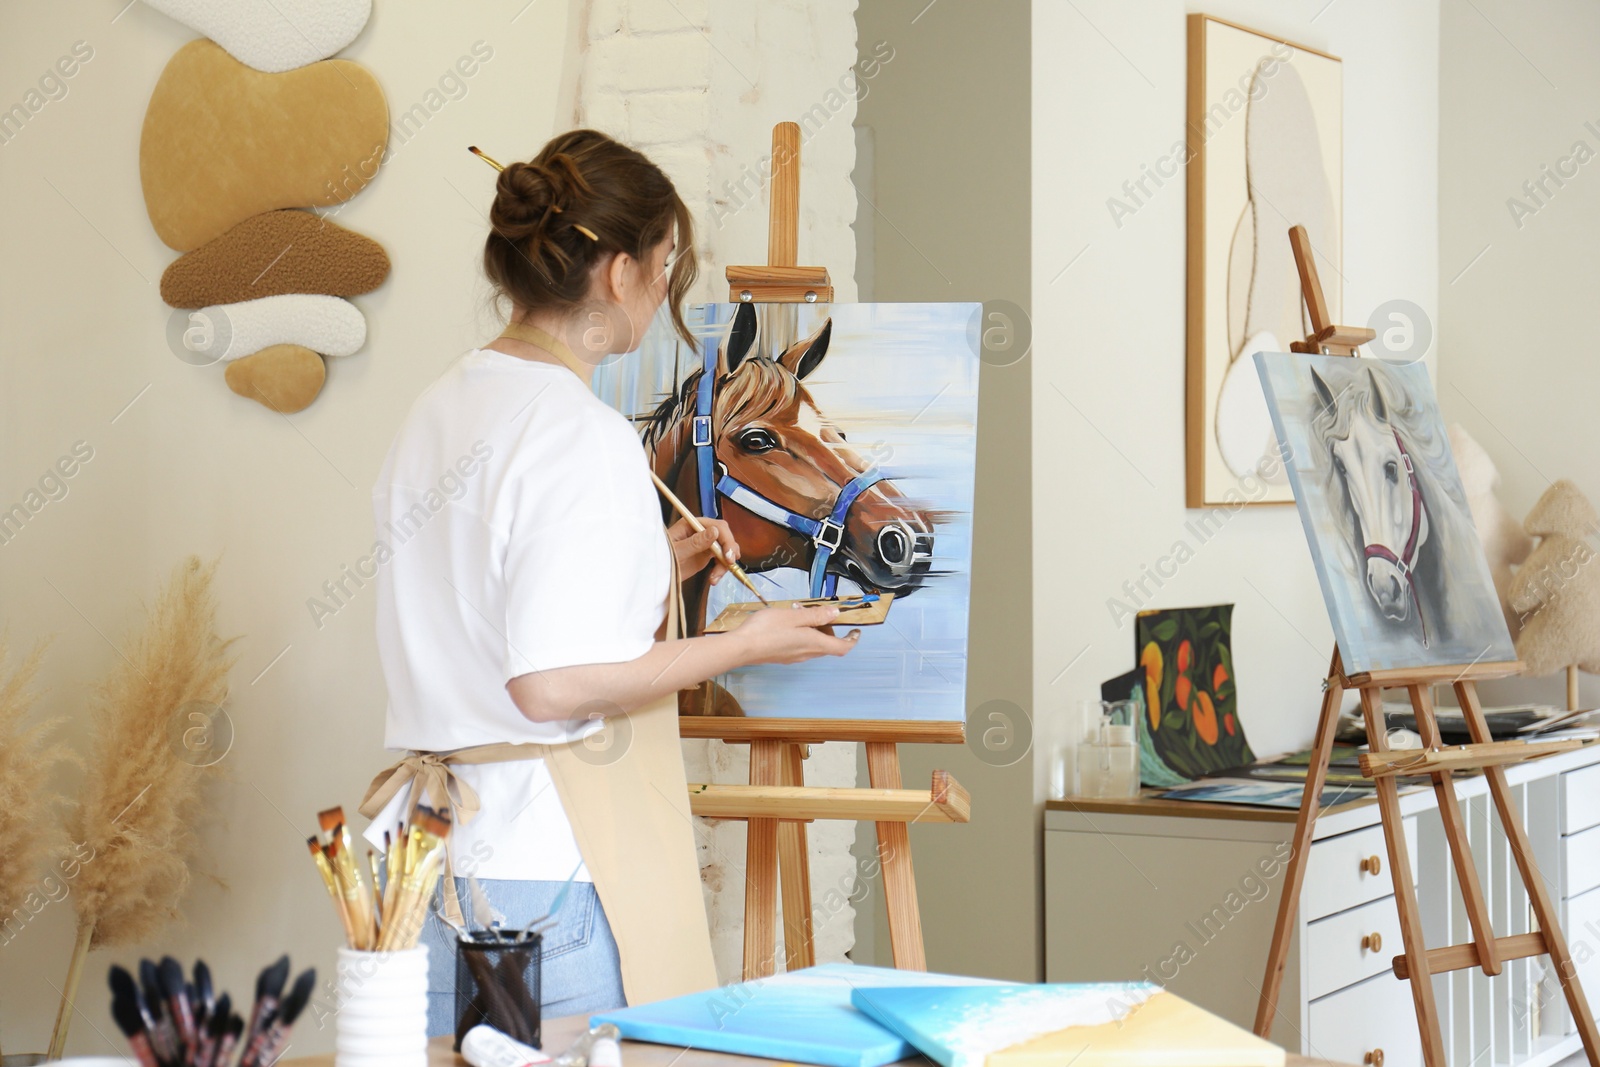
[{"x": 243, "y": 132}]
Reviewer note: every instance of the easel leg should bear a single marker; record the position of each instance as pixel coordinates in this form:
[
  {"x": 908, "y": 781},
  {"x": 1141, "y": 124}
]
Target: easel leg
[
  {"x": 1305, "y": 823},
  {"x": 794, "y": 867},
  {"x": 761, "y": 871},
  {"x": 1405, "y": 894},
  {"x": 1455, "y": 832},
  {"x": 894, "y": 854},
  {"x": 1544, "y": 908}
]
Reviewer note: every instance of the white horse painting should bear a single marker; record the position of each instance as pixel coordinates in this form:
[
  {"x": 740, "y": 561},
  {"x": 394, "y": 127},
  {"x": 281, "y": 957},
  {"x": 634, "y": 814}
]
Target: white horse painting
[{"x": 1383, "y": 507}]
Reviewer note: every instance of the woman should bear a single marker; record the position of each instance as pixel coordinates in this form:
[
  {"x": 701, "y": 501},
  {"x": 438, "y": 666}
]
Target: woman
[{"x": 528, "y": 597}]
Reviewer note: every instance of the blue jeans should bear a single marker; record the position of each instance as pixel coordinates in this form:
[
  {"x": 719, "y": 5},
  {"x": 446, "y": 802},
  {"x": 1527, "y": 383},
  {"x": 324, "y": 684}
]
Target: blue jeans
[{"x": 580, "y": 972}]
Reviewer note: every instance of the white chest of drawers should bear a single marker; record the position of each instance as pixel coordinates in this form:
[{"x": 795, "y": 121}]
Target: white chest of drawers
[{"x": 1186, "y": 894}]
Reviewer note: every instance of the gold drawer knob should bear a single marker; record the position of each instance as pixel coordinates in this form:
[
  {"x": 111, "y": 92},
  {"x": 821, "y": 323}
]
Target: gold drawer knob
[
  {"x": 1375, "y": 1057},
  {"x": 1373, "y": 943},
  {"x": 1372, "y": 865}
]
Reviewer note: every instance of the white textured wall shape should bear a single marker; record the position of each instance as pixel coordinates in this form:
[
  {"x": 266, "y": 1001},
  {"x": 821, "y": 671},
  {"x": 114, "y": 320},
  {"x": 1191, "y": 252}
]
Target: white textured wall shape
[{"x": 697, "y": 85}]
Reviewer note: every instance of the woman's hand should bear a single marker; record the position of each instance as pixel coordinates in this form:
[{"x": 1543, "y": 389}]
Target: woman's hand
[
  {"x": 693, "y": 548},
  {"x": 791, "y": 635}
]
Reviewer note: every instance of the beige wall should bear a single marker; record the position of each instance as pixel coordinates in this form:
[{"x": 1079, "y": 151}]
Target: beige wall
[
  {"x": 1517, "y": 85},
  {"x": 190, "y": 467},
  {"x": 1108, "y": 364},
  {"x": 945, "y": 214}
]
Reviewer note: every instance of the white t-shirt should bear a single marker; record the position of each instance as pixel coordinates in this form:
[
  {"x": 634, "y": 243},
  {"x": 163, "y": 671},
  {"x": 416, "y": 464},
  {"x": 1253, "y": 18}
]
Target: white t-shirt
[{"x": 518, "y": 531}]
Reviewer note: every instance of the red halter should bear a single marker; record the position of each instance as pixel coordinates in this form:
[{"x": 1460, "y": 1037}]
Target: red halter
[{"x": 1406, "y": 561}]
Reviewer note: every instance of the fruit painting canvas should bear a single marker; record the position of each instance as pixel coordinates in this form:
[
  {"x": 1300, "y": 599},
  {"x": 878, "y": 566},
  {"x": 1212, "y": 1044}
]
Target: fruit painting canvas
[{"x": 1191, "y": 698}]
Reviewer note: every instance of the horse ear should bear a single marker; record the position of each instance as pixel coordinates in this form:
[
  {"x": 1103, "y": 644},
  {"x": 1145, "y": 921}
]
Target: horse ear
[
  {"x": 802, "y": 357},
  {"x": 1379, "y": 408},
  {"x": 1324, "y": 394},
  {"x": 740, "y": 340}
]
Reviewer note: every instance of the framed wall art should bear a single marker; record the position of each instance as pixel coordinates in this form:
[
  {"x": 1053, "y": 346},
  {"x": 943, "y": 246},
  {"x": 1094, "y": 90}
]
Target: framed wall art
[{"x": 1265, "y": 151}]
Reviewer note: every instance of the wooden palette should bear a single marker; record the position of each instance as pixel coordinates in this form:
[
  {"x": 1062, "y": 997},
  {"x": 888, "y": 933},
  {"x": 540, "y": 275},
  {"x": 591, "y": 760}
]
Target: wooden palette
[{"x": 871, "y": 614}]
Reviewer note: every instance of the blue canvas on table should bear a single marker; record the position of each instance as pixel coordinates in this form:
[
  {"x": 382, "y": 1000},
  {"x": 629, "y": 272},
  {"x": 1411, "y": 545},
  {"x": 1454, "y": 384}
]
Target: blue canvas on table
[
  {"x": 839, "y": 442},
  {"x": 1401, "y": 567},
  {"x": 803, "y": 1016},
  {"x": 964, "y": 1026}
]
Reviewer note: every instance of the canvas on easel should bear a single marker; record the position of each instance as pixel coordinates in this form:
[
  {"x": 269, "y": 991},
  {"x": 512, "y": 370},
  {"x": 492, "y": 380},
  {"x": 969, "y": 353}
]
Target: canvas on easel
[
  {"x": 1387, "y": 489},
  {"x": 839, "y": 443},
  {"x": 754, "y": 425},
  {"x": 1385, "y": 514}
]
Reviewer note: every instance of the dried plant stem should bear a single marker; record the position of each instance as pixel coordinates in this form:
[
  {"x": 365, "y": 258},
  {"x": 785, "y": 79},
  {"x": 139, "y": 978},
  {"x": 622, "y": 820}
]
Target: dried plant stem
[{"x": 69, "y": 991}]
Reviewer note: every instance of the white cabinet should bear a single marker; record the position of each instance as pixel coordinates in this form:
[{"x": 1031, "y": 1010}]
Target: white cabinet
[{"x": 1186, "y": 894}]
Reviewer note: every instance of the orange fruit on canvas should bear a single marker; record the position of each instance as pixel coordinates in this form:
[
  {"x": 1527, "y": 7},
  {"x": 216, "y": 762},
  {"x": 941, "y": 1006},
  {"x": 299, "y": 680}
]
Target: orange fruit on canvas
[{"x": 1205, "y": 717}]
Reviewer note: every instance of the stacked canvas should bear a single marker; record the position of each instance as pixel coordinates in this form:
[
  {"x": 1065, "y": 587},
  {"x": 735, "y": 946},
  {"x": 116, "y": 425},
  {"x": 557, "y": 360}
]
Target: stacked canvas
[{"x": 841, "y": 1015}]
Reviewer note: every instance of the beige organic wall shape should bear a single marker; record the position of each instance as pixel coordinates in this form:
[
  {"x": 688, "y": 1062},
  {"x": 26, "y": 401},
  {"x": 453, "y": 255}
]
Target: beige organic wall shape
[{"x": 237, "y": 135}]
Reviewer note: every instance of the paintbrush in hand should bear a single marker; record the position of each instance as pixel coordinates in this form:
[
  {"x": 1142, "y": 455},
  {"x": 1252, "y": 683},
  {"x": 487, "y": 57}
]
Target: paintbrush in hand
[{"x": 699, "y": 527}]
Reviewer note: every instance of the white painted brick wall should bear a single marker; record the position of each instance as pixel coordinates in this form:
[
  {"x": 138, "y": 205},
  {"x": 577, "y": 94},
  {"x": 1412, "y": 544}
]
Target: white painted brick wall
[{"x": 697, "y": 85}]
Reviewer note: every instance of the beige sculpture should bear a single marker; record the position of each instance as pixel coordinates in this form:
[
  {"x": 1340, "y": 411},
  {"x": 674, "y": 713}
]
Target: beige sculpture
[
  {"x": 1556, "y": 592},
  {"x": 1505, "y": 543}
]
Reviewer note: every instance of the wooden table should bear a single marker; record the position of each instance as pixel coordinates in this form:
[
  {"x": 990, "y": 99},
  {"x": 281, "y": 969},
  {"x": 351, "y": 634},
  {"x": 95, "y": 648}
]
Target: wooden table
[{"x": 559, "y": 1033}]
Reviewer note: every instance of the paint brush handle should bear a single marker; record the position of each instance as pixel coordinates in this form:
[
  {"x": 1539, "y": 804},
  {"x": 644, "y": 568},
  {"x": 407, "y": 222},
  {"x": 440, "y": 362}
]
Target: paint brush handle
[{"x": 699, "y": 527}]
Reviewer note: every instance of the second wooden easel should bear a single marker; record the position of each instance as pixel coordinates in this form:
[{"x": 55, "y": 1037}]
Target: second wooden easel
[
  {"x": 1419, "y": 963},
  {"x": 777, "y": 803}
]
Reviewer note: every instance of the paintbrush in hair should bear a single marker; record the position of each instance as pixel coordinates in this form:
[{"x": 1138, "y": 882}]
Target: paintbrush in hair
[
  {"x": 268, "y": 1045},
  {"x": 269, "y": 988},
  {"x": 699, "y": 527}
]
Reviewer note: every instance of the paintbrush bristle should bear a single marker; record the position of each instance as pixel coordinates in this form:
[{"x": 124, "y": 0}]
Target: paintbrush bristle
[
  {"x": 122, "y": 982},
  {"x": 433, "y": 822},
  {"x": 270, "y": 984},
  {"x": 298, "y": 997},
  {"x": 221, "y": 1017},
  {"x": 171, "y": 974},
  {"x": 130, "y": 1020},
  {"x": 331, "y": 819}
]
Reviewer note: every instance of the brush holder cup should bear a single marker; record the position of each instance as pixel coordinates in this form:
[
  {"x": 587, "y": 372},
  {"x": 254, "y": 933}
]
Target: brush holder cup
[
  {"x": 383, "y": 1009},
  {"x": 497, "y": 983}
]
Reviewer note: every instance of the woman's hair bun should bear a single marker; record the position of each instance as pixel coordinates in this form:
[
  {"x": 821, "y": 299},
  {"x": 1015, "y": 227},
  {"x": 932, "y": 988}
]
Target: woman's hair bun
[
  {"x": 585, "y": 196},
  {"x": 531, "y": 192}
]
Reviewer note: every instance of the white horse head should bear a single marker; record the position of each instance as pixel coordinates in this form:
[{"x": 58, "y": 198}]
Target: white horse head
[{"x": 1391, "y": 524}]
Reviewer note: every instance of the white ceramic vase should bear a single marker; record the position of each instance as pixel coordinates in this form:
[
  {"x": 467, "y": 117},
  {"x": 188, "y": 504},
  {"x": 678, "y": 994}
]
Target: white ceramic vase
[{"x": 383, "y": 1009}]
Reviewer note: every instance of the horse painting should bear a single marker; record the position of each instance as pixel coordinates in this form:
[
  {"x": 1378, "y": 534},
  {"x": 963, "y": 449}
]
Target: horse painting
[
  {"x": 743, "y": 439},
  {"x": 1381, "y": 500}
]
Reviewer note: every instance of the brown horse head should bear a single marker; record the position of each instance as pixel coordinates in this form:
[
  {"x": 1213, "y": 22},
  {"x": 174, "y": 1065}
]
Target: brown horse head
[{"x": 772, "y": 441}]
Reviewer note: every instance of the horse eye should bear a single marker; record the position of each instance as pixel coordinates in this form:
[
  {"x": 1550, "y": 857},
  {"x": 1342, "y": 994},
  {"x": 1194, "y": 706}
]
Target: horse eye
[
  {"x": 1338, "y": 464},
  {"x": 757, "y": 441},
  {"x": 1391, "y": 471}
]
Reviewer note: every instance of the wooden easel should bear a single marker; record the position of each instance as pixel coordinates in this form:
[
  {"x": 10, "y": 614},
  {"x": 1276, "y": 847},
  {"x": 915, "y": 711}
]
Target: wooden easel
[
  {"x": 1419, "y": 963},
  {"x": 777, "y": 803}
]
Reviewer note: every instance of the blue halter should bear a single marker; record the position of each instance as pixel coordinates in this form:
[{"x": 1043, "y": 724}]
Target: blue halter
[{"x": 826, "y": 534}]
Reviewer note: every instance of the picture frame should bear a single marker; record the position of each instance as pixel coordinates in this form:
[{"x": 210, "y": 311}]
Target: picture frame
[{"x": 1264, "y": 141}]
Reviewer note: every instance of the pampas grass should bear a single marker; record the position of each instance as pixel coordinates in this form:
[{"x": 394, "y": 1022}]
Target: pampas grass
[
  {"x": 142, "y": 796},
  {"x": 32, "y": 837}
]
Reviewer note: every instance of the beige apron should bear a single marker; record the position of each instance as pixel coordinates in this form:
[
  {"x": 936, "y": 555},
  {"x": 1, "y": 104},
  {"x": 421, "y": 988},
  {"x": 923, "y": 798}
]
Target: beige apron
[{"x": 630, "y": 817}]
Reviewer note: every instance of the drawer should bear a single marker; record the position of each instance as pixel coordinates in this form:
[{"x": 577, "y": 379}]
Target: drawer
[
  {"x": 1580, "y": 799},
  {"x": 1580, "y": 862},
  {"x": 1581, "y": 927},
  {"x": 1339, "y": 949},
  {"x": 1338, "y": 874},
  {"x": 1357, "y": 1022}
]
